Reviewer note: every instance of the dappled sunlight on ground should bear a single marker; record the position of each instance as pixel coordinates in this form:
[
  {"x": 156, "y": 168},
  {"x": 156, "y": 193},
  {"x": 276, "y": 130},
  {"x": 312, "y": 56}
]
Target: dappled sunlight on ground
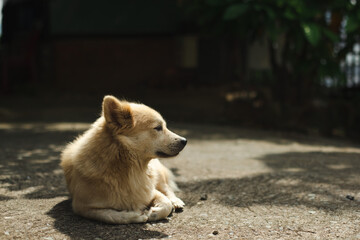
[{"x": 256, "y": 184}]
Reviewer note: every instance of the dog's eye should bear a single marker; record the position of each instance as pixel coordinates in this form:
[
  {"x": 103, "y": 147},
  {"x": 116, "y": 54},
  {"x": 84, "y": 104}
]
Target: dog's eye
[{"x": 159, "y": 128}]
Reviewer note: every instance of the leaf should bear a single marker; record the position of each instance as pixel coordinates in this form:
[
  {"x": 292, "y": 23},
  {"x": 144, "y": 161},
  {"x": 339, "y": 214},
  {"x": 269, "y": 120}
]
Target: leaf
[
  {"x": 273, "y": 32},
  {"x": 331, "y": 35},
  {"x": 235, "y": 11},
  {"x": 312, "y": 33},
  {"x": 289, "y": 14},
  {"x": 351, "y": 24},
  {"x": 270, "y": 12}
]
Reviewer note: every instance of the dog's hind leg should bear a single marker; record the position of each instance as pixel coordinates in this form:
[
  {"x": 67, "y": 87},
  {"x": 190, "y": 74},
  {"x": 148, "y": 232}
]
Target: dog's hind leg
[{"x": 113, "y": 216}]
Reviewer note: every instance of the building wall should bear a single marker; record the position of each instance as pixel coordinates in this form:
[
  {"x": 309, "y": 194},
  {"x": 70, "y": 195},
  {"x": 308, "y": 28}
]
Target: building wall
[
  {"x": 112, "y": 17},
  {"x": 101, "y": 63}
]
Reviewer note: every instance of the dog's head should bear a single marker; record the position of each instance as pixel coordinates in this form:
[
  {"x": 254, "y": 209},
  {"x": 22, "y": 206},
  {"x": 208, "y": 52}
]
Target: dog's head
[{"x": 141, "y": 129}]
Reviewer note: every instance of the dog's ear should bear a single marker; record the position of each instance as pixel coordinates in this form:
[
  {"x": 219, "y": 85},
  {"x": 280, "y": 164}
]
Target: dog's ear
[{"x": 117, "y": 113}]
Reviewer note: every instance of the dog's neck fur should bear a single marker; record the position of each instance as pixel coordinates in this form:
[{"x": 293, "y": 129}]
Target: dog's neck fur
[{"x": 124, "y": 164}]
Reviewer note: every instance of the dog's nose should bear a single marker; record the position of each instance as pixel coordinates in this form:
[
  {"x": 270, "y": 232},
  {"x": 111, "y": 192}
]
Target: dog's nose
[{"x": 183, "y": 141}]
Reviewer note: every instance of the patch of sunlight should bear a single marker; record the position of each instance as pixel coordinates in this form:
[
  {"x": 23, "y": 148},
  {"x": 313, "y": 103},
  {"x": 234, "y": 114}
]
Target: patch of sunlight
[
  {"x": 338, "y": 166},
  {"x": 61, "y": 126},
  {"x": 289, "y": 182},
  {"x": 13, "y": 126},
  {"x": 22, "y": 192},
  {"x": 293, "y": 170},
  {"x": 58, "y": 171},
  {"x": 42, "y": 161},
  {"x": 67, "y": 126},
  {"x": 56, "y": 148}
]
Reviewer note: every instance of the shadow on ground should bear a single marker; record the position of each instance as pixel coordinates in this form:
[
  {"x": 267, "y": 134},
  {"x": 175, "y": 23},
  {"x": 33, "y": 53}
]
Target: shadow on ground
[
  {"x": 312, "y": 179},
  {"x": 30, "y": 169},
  {"x": 30, "y": 164},
  {"x": 80, "y": 228}
]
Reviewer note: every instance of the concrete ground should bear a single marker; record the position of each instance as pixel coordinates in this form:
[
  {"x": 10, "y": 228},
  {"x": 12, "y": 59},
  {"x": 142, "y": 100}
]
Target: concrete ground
[{"x": 236, "y": 183}]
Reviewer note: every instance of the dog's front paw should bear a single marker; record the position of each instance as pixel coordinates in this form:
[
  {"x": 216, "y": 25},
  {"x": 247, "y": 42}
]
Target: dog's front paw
[{"x": 177, "y": 203}]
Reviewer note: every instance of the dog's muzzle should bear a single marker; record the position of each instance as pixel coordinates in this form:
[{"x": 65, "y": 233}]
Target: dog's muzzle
[{"x": 173, "y": 149}]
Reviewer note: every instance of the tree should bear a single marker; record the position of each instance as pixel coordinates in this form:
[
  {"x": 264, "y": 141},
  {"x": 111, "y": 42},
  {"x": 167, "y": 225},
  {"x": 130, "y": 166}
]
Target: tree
[{"x": 303, "y": 37}]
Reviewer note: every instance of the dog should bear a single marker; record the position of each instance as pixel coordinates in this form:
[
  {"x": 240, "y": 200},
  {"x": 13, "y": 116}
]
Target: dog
[{"x": 112, "y": 171}]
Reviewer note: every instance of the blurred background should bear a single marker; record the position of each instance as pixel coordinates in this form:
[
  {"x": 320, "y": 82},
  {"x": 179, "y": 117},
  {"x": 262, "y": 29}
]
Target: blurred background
[{"x": 269, "y": 64}]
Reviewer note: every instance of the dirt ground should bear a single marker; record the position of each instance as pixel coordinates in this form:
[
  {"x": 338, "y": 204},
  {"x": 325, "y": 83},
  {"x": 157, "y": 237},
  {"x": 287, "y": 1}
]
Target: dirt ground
[{"x": 236, "y": 183}]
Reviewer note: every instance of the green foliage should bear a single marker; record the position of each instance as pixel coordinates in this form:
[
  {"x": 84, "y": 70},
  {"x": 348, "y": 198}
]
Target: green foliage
[
  {"x": 352, "y": 24},
  {"x": 310, "y": 31},
  {"x": 235, "y": 11}
]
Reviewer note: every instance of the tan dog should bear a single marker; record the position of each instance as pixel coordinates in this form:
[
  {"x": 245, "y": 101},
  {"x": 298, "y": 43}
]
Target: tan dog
[{"x": 112, "y": 172}]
